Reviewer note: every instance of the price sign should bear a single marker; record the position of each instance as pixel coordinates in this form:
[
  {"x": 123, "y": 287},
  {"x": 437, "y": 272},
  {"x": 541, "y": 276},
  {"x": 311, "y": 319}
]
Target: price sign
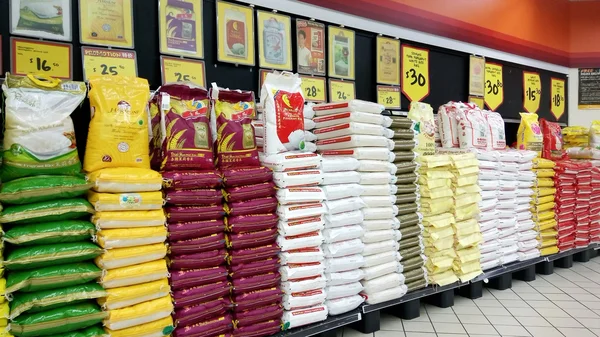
[
  {"x": 108, "y": 62},
  {"x": 557, "y": 97},
  {"x": 262, "y": 76},
  {"x": 49, "y": 58},
  {"x": 388, "y": 96},
  {"x": 494, "y": 91},
  {"x": 340, "y": 91},
  {"x": 415, "y": 73},
  {"x": 477, "y": 101},
  {"x": 314, "y": 89},
  {"x": 532, "y": 91},
  {"x": 174, "y": 69}
]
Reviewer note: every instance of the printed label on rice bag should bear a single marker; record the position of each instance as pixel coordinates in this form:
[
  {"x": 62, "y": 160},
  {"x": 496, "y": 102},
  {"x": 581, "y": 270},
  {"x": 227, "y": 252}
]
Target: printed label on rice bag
[
  {"x": 299, "y": 173},
  {"x": 130, "y": 200},
  {"x": 298, "y": 156},
  {"x": 308, "y": 311},
  {"x": 334, "y": 140},
  {"x": 332, "y": 128},
  {"x": 337, "y": 153},
  {"x": 331, "y": 117}
]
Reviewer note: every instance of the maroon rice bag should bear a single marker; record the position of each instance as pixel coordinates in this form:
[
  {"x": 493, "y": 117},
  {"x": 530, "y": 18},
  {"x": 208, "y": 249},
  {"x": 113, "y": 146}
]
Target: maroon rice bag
[
  {"x": 213, "y": 328},
  {"x": 186, "y": 180},
  {"x": 193, "y": 197},
  {"x": 201, "y": 312},
  {"x": 257, "y": 298},
  {"x": 251, "y": 222},
  {"x": 254, "y": 206},
  {"x": 200, "y": 294},
  {"x": 187, "y": 141},
  {"x": 155, "y": 142},
  {"x": 247, "y": 192},
  {"x": 252, "y": 316},
  {"x": 235, "y": 143},
  {"x": 259, "y": 329},
  {"x": 252, "y": 239},
  {"x": 194, "y": 213},
  {"x": 181, "y": 279},
  {"x": 252, "y": 283},
  {"x": 246, "y": 176},
  {"x": 263, "y": 266},
  {"x": 188, "y": 230},
  {"x": 197, "y": 245},
  {"x": 253, "y": 254},
  {"x": 208, "y": 259}
]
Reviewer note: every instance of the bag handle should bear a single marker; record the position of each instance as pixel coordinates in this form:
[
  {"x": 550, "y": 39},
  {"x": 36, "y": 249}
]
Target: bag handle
[{"x": 43, "y": 80}]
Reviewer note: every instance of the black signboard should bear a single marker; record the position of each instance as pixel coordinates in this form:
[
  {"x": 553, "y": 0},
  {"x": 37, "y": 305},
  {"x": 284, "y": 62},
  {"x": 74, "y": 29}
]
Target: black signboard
[{"x": 589, "y": 88}]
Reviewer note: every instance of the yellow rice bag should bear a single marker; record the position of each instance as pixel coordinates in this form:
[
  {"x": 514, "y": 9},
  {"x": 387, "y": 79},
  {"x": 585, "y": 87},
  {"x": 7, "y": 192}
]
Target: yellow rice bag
[
  {"x": 544, "y": 191},
  {"x": 535, "y": 200},
  {"x": 429, "y": 252},
  {"x": 471, "y": 275},
  {"x": 434, "y": 161},
  {"x": 468, "y": 255},
  {"x": 543, "y": 216},
  {"x": 107, "y": 20},
  {"x": 123, "y": 257},
  {"x": 422, "y": 115},
  {"x": 434, "y": 183},
  {"x": 4, "y": 313},
  {"x": 131, "y": 295},
  {"x": 459, "y": 190},
  {"x": 544, "y": 182},
  {"x": 468, "y": 240},
  {"x": 142, "y": 313},
  {"x": 142, "y": 201},
  {"x": 467, "y": 170},
  {"x": 438, "y": 221},
  {"x": 436, "y": 173},
  {"x": 435, "y": 193},
  {"x": 542, "y": 163},
  {"x": 465, "y": 268},
  {"x": 439, "y": 264},
  {"x": 436, "y": 234},
  {"x": 466, "y": 212},
  {"x": 529, "y": 135},
  {"x": 549, "y": 250},
  {"x": 465, "y": 180},
  {"x": 466, "y": 227},
  {"x": 161, "y": 327},
  {"x": 543, "y": 207},
  {"x": 137, "y": 274},
  {"x": 436, "y": 206},
  {"x": 125, "y": 179},
  {"x": 118, "y": 132},
  {"x": 439, "y": 244},
  {"x": 130, "y": 237},
  {"x": 466, "y": 199},
  {"x": 544, "y": 173},
  {"x": 129, "y": 219},
  {"x": 442, "y": 279},
  {"x": 464, "y": 160}
]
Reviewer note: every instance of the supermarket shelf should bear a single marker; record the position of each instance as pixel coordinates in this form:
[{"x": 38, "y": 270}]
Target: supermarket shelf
[
  {"x": 331, "y": 323},
  {"x": 510, "y": 268}
]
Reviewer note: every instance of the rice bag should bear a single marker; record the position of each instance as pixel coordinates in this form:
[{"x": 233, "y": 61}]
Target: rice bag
[
  {"x": 123, "y": 179},
  {"x": 50, "y": 232},
  {"x": 121, "y": 297},
  {"x": 104, "y": 220},
  {"x": 51, "y": 277},
  {"x": 29, "y": 257},
  {"x": 189, "y": 180},
  {"x": 47, "y": 211},
  {"x": 136, "y": 274},
  {"x": 42, "y": 188},
  {"x": 139, "y": 314},
  {"x": 529, "y": 135}
]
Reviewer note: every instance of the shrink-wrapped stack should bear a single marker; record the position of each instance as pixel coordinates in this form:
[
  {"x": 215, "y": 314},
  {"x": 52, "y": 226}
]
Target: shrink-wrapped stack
[
  {"x": 527, "y": 232},
  {"x": 489, "y": 184},
  {"x": 543, "y": 206}
]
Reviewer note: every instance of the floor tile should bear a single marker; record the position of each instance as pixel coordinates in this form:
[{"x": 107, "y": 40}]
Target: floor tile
[
  {"x": 488, "y": 303},
  {"x": 576, "y": 332},
  {"x": 480, "y": 329},
  {"x": 558, "y": 297},
  {"x": 525, "y": 312},
  {"x": 502, "y": 320},
  {"x": 574, "y": 290},
  {"x": 383, "y": 333},
  {"x": 501, "y": 311},
  {"x": 581, "y": 313},
  {"x": 473, "y": 319},
  {"x": 348, "y": 332},
  {"x": 467, "y": 310},
  {"x": 585, "y": 297},
  {"x": 509, "y": 330},
  {"x": 389, "y": 322},
  {"x": 590, "y": 323},
  {"x": 514, "y": 303},
  {"x": 452, "y": 335},
  {"x": 417, "y": 326},
  {"x": 544, "y": 332},
  {"x": 444, "y": 318},
  {"x": 432, "y": 309},
  {"x": 549, "y": 312},
  {"x": 565, "y": 322},
  {"x": 420, "y": 334},
  {"x": 542, "y": 304},
  {"x": 572, "y": 304},
  {"x": 463, "y": 302},
  {"x": 533, "y": 321},
  {"x": 533, "y": 297},
  {"x": 448, "y": 328},
  {"x": 595, "y": 331},
  {"x": 549, "y": 290},
  {"x": 506, "y": 295},
  {"x": 591, "y": 305}
]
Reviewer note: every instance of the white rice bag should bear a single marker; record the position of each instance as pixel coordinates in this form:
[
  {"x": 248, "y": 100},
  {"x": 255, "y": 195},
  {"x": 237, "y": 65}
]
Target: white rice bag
[
  {"x": 348, "y": 117},
  {"x": 379, "y": 201},
  {"x": 510, "y": 258},
  {"x": 343, "y": 219},
  {"x": 303, "y": 255},
  {"x": 527, "y": 245},
  {"x": 492, "y": 246},
  {"x": 345, "y": 304},
  {"x": 354, "y": 141},
  {"x": 488, "y": 185},
  {"x": 497, "y": 135},
  {"x": 344, "y": 263},
  {"x": 309, "y": 113},
  {"x": 528, "y": 255},
  {"x": 304, "y": 316},
  {"x": 344, "y": 277},
  {"x": 375, "y": 225},
  {"x": 381, "y": 258},
  {"x": 300, "y": 226},
  {"x": 333, "y": 178},
  {"x": 298, "y": 178},
  {"x": 339, "y": 164},
  {"x": 448, "y": 125},
  {"x": 309, "y": 124},
  {"x": 377, "y": 166},
  {"x": 362, "y": 153},
  {"x": 344, "y": 205},
  {"x": 343, "y": 290},
  {"x": 291, "y": 212},
  {"x": 381, "y": 235},
  {"x": 301, "y": 271},
  {"x": 290, "y": 287},
  {"x": 382, "y": 269},
  {"x": 300, "y": 195},
  {"x": 343, "y": 248},
  {"x": 381, "y": 190},
  {"x": 380, "y": 213},
  {"x": 344, "y": 233},
  {"x": 352, "y": 129},
  {"x": 351, "y": 105},
  {"x": 474, "y": 128},
  {"x": 379, "y": 247},
  {"x": 377, "y": 178},
  {"x": 341, "y": 191},
  {"x": 382, "y": 283},
  {"x": 291, "y": 161},
  {"x": 288, "y": 243},
  {"x": 526, "y": 235},
  {"x": 387, "y": 295},
  {"x": 303, "y": 299}
]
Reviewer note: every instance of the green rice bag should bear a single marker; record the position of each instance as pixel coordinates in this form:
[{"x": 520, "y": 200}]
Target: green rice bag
[
  {"x": 418, "y": 284},
  {"x": 42, "y": 188},
  {"x": 407, "y": 208},
  {"x": 58, "y": 320},
  {"x": 405, "y": 198},
  {"x": 47, "y": 211},
  {"x": 93, "y": 331},
  {"x": 406, "y": 188},
  {"x": 404, "y": 145},
  {"x": 404, "y": 134},
  {"x": 50, "y": 299},
  {"x": 50, "y": 232},
  {"x": 29, "y": 257},
  {"x": 406, "y": 167},
  {"x": 401, "y": 123},
  {"x": 52, "y": 277},
  {"x": 403, "y": 156},
  {"x": 406, "y": 178}
]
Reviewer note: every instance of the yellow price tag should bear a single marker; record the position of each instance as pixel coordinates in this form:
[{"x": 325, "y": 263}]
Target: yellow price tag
[
  {"x": 494, "y": 91},
  {"x": 49, "y": 58},
  {"x": 388, "y": 96},
  {"x": 557, "y": 97},
  {"x": 340, "y": 91},
  {"x": 477, "y": 101},
  {"x": 415, "y": 73},
  {"x": 532, "y": 91},
  {"x": 314, "y": 89},
  {"x": 108, "y": 62},
  {"x": 174, "y": 69}
]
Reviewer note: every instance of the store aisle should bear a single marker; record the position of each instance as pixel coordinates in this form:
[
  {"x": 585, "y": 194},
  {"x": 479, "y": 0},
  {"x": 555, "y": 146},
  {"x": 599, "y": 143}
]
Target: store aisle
[{"x": 566, "y": 303}]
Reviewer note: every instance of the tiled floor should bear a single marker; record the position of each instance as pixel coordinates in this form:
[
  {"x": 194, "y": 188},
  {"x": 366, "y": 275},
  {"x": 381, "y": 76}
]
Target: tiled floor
[{"x": 566, "y": 303}]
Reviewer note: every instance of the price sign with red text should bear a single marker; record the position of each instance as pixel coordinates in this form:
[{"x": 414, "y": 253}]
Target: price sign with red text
[
  {"x": 532, "y": 91},
  {"x": 557, "y": 97}
]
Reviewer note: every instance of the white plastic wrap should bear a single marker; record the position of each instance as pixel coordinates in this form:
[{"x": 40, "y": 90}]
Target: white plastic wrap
[
  {"x": 379, "y": 201},
  {"x": 332, "y": 178},
  {"x": 381, "y": 235},
  {"x": 341, "y": 191},
  {"x": 382, "y": 283},
  {"x": 343, "y": 219},
  {"x": 344, "y": 205},
  {"x": 377, "y": 178},
  {"x": 343, "y": 248},
  {"x": 342, "y": 305},
  {"x": 387, "y": 295},
  {"x": 344, "y": 277},
  {"x": 344, "y": 233},
  {"x": 343, "y": 290},
  {"x": 375, "y": 225},
  {"x": 380, "y": 213},
  {"x": 380, "y": 247},
  {"x": 382, "y": 269},
  {"x": 377, "y": 166},
  {"x": 381, "y": 190},
  {"x": 344, "y": 263},
  {"x": 381, "y": 258}
]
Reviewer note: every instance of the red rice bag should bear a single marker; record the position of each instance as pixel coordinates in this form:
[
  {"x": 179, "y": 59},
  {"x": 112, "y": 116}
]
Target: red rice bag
[
  {"x": 251, "y": 222},
  {"x": 220, "y": 326},
  {"x": 186, "y": 139},
  {"x": 189, "y": 230},
  {"x": 193, "y": 197},
  {"x": 181, "y": 279},
  {"x": 197, "y": 245},
  {"x": 200, "y": 294},
  {"x": 254, "y": 206},
  {"x": 258, "y": 298},
  {"x": 247, "y": 192},
  {"x": 252, "y": 239},
  {"x": 190, "y": 179},
  {"x": 257, "y": 282},
  {"x": 250, "y": 317},
  {"x": 199, "y": 260},
  {"x": 155, "y": 142},
  {"x": 553, "y": 142},
  {"x": 201, "y": 312},
  {"x": 247, "y": 255},
  {"x": 246, "y": 176},
  {"x": 261, "y": 329},
  {"x": 194, "y": 213},
  {"x": 232, "y": 114},
  {"x": 262, "y": 266}
]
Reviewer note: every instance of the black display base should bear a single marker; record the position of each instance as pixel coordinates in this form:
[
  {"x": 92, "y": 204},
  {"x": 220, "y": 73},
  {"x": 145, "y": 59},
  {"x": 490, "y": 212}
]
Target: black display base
[
  {"x": 501, "y": 282},
  {"x": 472, "y": 290},
  {"x": 594, "y": 253},
  {"x": 545, "y": 268},
  {"x": 564, "y": 262},
  {"x": 369, "y": 323},
  {"x": 527, "y": 274},
  {"x": 444, "y": 299},
  {"x": 584, "y": 256},
  {"x": 406, "y": 310},
  {"x": 330, "y": 333}
]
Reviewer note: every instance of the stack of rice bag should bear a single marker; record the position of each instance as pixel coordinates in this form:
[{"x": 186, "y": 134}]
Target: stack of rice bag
[
  {"x": 543, "y": 205},
  {"x": 488, "y": 215},
  {"x": 251, "y": 220},
  {"x": 466, "y": 191},
  {"x": 527, "y": 232},
  {"x": 49, "y": 273},
  {"x": 582, "y": 207},
  {"x": 128, "y": 202},
  {"x": 595, "y": 206},
  {"x": 411, "y": 245},
  {"x": 301, "y": 207},
  {"x": 575, "y": 136}
]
